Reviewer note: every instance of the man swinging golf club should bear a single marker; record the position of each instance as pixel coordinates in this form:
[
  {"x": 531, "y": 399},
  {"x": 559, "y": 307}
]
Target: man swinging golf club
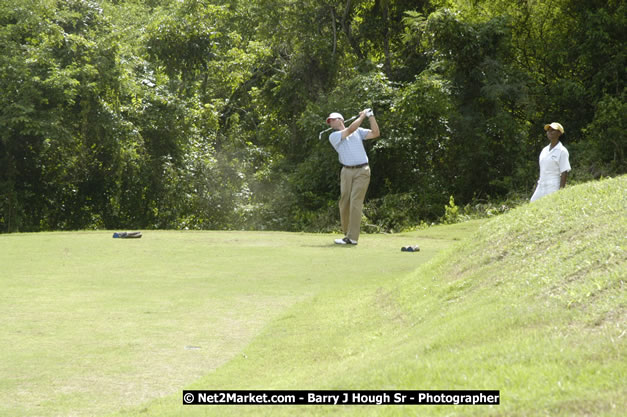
[{"x": 355, "y": 174}]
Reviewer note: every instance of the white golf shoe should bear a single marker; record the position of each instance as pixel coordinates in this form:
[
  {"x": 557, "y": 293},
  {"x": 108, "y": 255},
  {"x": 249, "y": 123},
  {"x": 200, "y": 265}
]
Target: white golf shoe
[{"x": 345, "y": 241}]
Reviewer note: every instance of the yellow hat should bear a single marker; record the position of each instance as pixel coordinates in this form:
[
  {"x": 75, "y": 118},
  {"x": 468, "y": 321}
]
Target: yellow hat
[{"x": 555, "y": 126}]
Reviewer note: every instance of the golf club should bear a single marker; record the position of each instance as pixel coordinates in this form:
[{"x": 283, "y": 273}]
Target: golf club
[{"x": 326, "y": 130}]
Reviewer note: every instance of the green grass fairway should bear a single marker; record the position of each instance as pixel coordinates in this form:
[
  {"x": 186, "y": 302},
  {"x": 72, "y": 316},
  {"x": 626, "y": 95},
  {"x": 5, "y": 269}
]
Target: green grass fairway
[
  {"x": 90, "y": 324},
  {"x": 531, "y": 303}
]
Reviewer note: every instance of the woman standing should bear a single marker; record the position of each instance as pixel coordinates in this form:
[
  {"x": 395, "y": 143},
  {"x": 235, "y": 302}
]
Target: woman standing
[{"x": 554, "y": 165}]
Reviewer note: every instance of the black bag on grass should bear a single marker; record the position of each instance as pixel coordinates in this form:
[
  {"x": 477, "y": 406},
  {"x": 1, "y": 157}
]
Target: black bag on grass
[{"x": 128, "y": 235}]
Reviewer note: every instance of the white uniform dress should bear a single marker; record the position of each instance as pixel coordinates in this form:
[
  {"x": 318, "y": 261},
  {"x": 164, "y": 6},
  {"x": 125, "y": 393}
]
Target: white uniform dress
[{"x": 552, "y": 163}]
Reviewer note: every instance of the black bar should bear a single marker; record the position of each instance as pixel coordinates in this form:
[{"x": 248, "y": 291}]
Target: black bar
[{"x": 323, "y": 397}]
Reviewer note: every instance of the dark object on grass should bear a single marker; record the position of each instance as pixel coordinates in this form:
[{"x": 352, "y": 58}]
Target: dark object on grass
[
  {"x": 414, "y": 248},
  {"x": 127, "y": 235}
]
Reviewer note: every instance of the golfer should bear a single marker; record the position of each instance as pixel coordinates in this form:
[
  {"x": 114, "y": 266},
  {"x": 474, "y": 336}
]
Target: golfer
[
  {"x": 355, "y": 174},
  {"x": 554, "y": 165}
]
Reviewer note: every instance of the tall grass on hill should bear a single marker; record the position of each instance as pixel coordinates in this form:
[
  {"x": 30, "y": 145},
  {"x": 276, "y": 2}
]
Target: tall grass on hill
[
  {"x": 537, "y": 297},
  {"x": 567, "y": 250}
]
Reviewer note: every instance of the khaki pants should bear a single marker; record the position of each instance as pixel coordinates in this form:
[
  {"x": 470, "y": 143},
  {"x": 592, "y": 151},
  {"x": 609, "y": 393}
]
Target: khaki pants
[{"x": 353, "y": 186}]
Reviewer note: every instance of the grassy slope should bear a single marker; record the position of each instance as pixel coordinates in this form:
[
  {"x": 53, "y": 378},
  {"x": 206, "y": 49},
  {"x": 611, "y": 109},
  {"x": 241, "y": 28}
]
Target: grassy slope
[
  {"x": 91, "y": 324},
  {"x": 533, "y": 305}
]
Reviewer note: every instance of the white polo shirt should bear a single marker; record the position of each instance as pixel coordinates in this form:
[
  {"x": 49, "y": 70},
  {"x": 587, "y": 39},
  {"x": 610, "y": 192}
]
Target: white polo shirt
[{"x": 350, "y": 150}]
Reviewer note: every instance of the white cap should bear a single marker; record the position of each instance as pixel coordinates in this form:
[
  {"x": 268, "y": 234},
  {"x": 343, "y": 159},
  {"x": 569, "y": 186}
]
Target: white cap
[{"x": 335, "y": 116}]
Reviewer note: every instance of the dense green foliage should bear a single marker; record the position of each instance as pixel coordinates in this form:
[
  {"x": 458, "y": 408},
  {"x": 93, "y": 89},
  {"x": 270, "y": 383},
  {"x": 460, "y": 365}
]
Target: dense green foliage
[{"x": 204, "y": 114}]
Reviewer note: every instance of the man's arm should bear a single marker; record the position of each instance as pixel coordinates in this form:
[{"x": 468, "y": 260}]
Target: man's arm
[
  {"x": 374, "y": 128},
  {"x": 354, "y": 126}
]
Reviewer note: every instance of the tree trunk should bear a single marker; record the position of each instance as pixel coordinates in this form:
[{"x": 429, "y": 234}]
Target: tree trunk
[
  {"x": 334, "y": 31},
  {"x": 346, "y": 26},
  {"x": 386, "y": 38}
]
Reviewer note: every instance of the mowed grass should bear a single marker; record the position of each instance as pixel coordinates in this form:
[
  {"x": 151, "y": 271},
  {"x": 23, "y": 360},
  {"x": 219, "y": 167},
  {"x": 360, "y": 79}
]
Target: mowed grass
[
  {"x": 532, "y": 304},
  {"x": 90, "y": 325}
]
